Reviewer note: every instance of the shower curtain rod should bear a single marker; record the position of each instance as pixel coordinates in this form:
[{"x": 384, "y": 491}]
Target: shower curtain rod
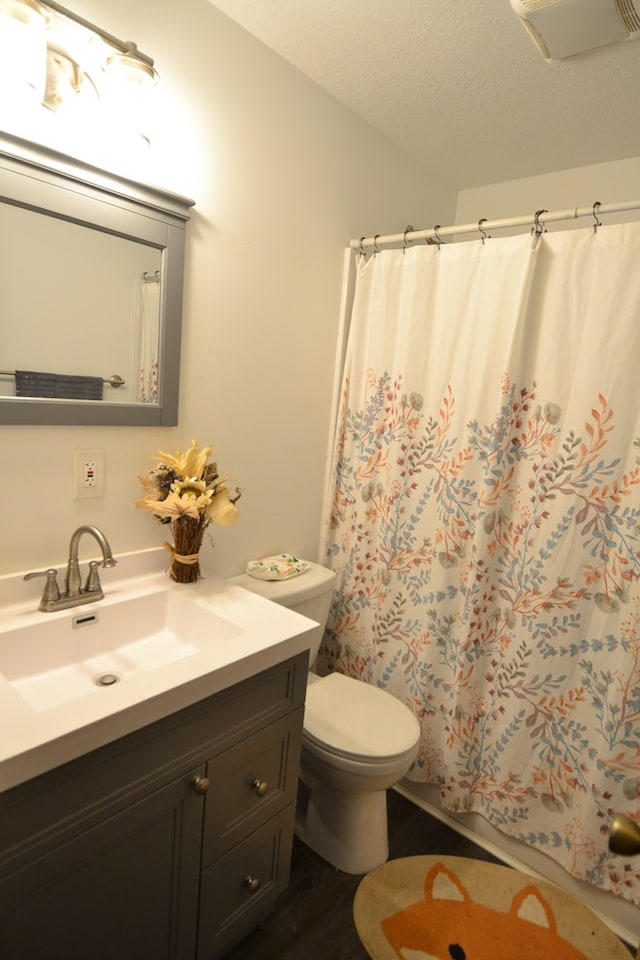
[{"x": 536, "y": 220}]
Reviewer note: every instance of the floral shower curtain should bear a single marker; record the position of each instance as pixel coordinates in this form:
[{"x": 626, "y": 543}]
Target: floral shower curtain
[
  {"x": 149, "y": 327},
  {"x": 485, "y": 527}
]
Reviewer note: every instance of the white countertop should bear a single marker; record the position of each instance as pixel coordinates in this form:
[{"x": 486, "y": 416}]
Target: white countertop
[{"x": 32, "y": 741}]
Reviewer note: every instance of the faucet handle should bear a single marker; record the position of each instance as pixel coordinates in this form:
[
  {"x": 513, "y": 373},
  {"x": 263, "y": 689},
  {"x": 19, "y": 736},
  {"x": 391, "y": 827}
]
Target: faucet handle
[
  {"x": 93, "y": 584},
  {"x": 51, "y": 591}
]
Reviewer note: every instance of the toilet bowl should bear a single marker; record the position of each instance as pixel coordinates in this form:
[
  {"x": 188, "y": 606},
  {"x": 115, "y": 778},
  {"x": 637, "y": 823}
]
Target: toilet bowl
[{"x": 358, "y": 740}]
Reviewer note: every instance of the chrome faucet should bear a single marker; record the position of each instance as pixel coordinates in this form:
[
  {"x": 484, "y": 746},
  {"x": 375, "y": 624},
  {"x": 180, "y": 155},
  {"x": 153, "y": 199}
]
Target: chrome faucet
[{"x": 74, "y": 593}]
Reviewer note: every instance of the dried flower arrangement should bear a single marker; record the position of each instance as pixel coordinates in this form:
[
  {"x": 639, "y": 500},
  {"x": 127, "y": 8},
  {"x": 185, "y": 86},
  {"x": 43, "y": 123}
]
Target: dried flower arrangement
[{"x": 187, "y": 492}]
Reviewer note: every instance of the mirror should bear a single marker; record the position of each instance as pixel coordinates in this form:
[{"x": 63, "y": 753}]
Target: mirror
[{"x": 91, "y": 276}]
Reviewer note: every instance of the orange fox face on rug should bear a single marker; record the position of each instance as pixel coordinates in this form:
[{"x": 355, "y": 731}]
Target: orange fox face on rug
[{"x": 448, "y": 925}]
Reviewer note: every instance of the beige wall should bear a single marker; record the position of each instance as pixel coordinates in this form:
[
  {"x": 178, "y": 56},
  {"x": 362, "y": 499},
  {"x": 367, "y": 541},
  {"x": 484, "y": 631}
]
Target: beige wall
[
  {"x": 283, "y": 178},
  {"x": 579, "y": 187}
]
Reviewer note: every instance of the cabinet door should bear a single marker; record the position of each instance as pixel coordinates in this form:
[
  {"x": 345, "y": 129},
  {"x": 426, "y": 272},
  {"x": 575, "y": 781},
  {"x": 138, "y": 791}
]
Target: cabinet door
[{"x": 126, "y": 889}]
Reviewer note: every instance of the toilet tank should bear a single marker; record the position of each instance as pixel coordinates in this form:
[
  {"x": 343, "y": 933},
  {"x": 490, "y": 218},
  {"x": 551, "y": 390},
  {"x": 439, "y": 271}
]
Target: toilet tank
[{"x": 309, "y": 594}]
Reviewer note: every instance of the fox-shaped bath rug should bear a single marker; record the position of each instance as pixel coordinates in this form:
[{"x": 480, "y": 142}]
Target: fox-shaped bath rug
[{"x": 453, "y": 908}]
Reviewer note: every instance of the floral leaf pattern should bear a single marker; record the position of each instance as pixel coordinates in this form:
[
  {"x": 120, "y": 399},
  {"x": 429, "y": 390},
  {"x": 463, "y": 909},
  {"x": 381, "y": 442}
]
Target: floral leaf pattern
[{"x": 448, "y": 543}]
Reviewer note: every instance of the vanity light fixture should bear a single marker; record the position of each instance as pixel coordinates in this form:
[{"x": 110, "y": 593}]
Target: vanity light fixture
[
  {"x": 23, "y": 50},
  {"x": 72, "y": 66}
]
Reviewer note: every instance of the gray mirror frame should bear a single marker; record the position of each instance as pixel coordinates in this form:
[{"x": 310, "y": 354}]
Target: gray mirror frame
[{"x": 48, "y": 182}]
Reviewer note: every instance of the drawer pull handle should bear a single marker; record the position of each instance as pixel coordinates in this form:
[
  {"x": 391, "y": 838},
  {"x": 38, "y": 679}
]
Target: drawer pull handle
[
  {"x": 201, "y": 785},
  {"x": 259, "y": 787},
  {"x": 252, "y": 884}
]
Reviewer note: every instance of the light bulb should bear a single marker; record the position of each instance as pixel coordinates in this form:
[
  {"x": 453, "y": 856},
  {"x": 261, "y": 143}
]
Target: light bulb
[
  {"x": 126, "y": 90},
  {"x": 23, "y": 51}
]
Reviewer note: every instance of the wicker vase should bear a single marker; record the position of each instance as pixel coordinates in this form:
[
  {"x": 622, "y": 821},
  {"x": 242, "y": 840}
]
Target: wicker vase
[{"x": 185, "y": 555}]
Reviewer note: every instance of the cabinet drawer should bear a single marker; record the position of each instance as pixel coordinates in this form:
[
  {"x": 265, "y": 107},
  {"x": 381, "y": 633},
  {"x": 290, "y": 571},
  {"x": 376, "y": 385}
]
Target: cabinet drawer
[
  {"x": 250, "y": 783},
  {"x": 240, "y": 887}
]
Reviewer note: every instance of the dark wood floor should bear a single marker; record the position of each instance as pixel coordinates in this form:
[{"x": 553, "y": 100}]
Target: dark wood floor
[{"x": 314, "y": 919}]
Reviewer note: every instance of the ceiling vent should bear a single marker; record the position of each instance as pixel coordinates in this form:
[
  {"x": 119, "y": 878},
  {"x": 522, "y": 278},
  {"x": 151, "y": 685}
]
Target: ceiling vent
[{"x": 562, "y": 28}]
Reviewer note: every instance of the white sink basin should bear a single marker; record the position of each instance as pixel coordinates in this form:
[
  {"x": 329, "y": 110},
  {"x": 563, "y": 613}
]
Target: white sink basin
[
  {"x": 168, "y": 646},
  {"x": 91, "y": 649}
]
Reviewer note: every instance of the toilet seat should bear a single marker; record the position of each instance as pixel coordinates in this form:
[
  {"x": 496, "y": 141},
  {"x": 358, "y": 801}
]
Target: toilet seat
[{"x": 354, "y": 720}]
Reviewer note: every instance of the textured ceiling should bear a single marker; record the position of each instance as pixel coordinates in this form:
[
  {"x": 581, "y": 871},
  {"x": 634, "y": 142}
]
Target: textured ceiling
[{"x": 458, "y": 83}]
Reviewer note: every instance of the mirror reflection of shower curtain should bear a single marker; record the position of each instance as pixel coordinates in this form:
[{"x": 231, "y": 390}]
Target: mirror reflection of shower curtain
[{"x": 148, "y": 326}]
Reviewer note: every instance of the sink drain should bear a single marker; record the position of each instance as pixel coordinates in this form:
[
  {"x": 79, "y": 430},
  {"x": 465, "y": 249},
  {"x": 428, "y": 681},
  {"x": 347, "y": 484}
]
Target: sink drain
[{"x": 106, "y": 679}]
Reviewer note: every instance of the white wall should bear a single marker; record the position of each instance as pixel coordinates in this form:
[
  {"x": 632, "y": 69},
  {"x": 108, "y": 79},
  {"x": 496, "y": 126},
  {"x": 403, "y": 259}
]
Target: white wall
[
  {"x": 579, "y": 187},
  {"x": 283, "y": 177}
]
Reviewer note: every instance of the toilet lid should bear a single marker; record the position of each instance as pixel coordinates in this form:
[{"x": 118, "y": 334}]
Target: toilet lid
[{"x": 356, "y": 719}]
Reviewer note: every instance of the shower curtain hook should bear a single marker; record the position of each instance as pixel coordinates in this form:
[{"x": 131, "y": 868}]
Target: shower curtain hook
[
  {"x": 484, "y": 233},
  {"x": 597, "y": 223},
  {"x": 437, "y": 235},
  {"x": 363, "y": 252},
  {"x": 376, "y": 248},
  {"x": 539, "y": 228},
  {"x": 405, "y": 242}
]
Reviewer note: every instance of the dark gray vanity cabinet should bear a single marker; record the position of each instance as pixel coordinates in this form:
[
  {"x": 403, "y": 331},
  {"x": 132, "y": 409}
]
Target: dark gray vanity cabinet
[
  {"x": 126, "y": 887},
  {"x": 168, "y": 844}
]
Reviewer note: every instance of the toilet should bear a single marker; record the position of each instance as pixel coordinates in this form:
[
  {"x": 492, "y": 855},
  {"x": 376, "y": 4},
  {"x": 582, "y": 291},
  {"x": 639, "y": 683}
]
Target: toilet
[{"x": 358, "y": 740}]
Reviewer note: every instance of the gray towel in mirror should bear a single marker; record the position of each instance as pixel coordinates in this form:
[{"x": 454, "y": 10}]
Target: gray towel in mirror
[{"x": 30, "y": 383}]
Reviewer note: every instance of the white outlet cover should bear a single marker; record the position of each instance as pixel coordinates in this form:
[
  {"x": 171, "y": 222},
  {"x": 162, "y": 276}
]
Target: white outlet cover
[{"x": 84, "y": 485}]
